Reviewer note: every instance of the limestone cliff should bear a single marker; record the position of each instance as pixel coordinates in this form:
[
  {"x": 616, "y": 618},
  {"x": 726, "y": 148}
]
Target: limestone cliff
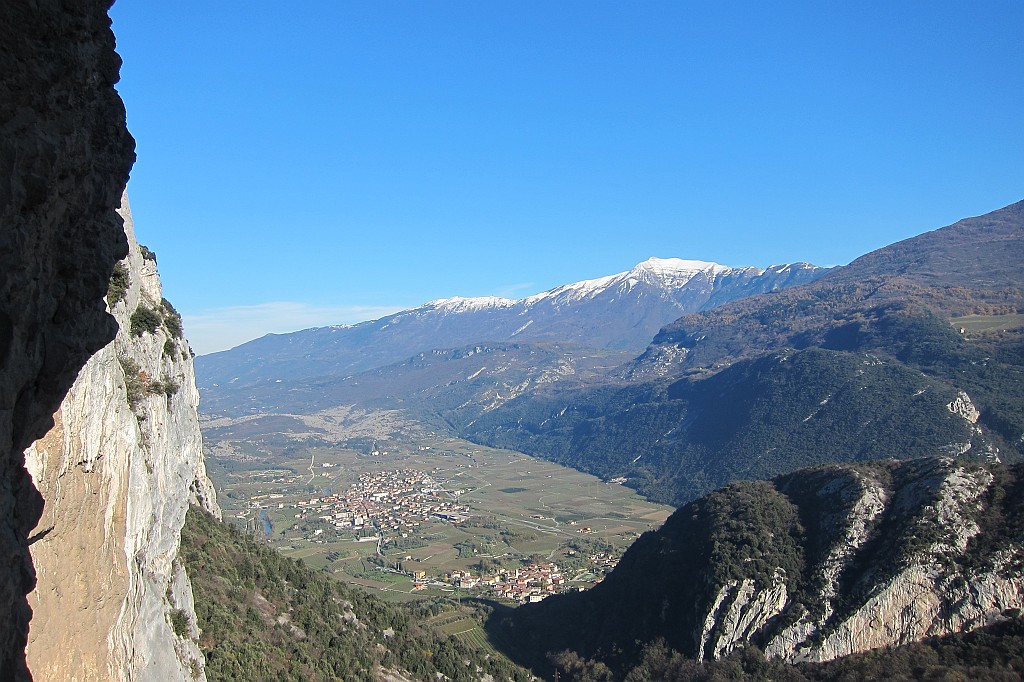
[
  {"x": 64, "y": 160},
  {"x": 117, "y": 472},
  {"x": 812, "y": 566}
]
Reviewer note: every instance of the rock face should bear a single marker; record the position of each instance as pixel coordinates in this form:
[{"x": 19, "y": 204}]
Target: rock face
[
  {"x": 812, "y": 566},
  {"x": 118, "y": 471},
  {"x": 64, "y": 160}
]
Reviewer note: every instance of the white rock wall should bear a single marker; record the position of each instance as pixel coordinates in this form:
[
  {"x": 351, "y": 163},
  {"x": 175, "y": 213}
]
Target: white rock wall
[{"x": 117, "y": 479}]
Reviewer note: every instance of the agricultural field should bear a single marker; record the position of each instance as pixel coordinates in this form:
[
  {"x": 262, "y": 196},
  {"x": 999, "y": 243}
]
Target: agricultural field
[
  {"x": 981, "y": 323},
  {"x": 400, "y": 512}
]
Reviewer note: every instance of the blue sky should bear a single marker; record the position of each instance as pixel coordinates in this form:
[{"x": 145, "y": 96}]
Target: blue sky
[{"x": 313, "y": 163}]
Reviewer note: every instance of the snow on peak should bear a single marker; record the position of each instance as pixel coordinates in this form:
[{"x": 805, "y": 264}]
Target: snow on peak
[
  {"x": 576, "y": 290},
  {"x": 673, "y": 271},
  {"x": 458, "y": 304},
  {"x": 670, "y": 273},
  {"x": 678, "y": 267}
]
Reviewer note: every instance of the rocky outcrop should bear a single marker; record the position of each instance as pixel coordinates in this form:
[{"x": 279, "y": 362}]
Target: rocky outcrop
[
  {"x": 749, "y": 608},
  {"x": 858, "y": 597},
  {"x": 118, "y": 471},
  {"x": 64, "y": 160},
  {"x": 963, "y": 407},
  {"x": 812, "y": 566}
]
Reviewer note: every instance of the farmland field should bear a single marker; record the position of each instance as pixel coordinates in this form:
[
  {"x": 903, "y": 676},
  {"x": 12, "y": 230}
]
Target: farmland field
[
  {"x": 977, "y": 323},
  {"x": 498, "y": 509}
]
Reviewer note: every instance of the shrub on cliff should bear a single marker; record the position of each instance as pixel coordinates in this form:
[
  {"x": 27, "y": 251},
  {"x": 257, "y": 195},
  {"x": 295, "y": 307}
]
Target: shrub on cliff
[
  {"x": 172, "y": 319},
  {"x": 144, "y": 320},
  {"x": 118, "y": 287},
  {"x": 135, "y": 386},
  {"x": 179, "y": 622}
]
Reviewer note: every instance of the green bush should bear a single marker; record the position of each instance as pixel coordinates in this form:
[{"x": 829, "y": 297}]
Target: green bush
[
  {"x": 146, "y": 253},
  {"x": 143, "y": 320},
  {"x": 168, "y": 386},
  {"x": 135, "y": 386},
  {"x": 172, "y": 319},
  {"x": 179, "y": 623},
  {"x": 118, "y": 287}
]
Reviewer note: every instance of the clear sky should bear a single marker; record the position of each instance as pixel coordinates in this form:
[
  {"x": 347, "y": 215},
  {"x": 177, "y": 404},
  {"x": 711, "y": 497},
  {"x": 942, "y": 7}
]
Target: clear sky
[{"x": 322, "y": 162}]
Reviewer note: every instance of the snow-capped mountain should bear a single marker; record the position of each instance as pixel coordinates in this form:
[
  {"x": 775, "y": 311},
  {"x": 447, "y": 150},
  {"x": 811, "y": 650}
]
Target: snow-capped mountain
[
  {"x": 650, "y": 295},
  {"x": 618, "y": 312},
  {"x": 667, "y": 273}
]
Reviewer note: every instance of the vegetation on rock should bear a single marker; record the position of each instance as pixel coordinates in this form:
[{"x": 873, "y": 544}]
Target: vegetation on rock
[
  {"x": 668, "y": 587},
  {"x": 135, "y": 385},
  {"x": 172, "y": 319},
  {"x": 144, "y": 320},
  {"x": 179, "y": 622},
  {"x": 138, "y": 383},
  {"x": 118, "y": 287}
]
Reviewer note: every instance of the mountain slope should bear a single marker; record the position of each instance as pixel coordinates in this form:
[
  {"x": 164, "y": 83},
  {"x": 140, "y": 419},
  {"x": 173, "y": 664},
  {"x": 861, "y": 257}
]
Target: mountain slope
[
  {"x": 621, "y": 311},
  {"x": 720, "y": 395},
  {"x": 466, "y": 380},
  {"x": 808, "y": 567},
  {"x": 676, "y": 441},
  {"x": 985, "y": 250},
  {"x": 970, "y": 267},
  {"x": 265, "y": 617}
]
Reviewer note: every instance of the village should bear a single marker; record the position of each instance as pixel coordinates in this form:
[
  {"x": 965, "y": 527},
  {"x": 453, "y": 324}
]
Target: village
[
  {"x": 385, "y": 503},
  {"x": 392, "y": 506},
  {"x": 530, "y": 583}
]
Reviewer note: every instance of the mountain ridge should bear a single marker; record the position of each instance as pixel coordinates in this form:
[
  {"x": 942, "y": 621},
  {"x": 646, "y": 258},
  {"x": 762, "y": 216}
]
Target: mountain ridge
[
  {"x": 617, "y": 312},
  {"x": 971, "y": 266},
  {"x": 890, "y": 335},
  {"x": 991, "y": 237}
]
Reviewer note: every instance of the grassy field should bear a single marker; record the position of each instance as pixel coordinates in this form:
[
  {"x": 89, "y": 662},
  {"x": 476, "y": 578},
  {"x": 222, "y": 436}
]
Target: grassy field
[
  {"x": 521, "y": 509},
  {"x": 978, "y": 323}
]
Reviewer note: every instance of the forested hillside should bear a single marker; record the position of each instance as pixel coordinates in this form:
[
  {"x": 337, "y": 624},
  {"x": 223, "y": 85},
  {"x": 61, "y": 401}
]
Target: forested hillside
[
  {"x": 930, "y": 391},
  {"x": 266, "y": 617},
  {"x": 907, "y": 352},
  {"x": 812, "y": 566}
]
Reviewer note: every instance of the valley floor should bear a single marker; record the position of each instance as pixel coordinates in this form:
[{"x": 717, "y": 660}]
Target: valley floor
[{"x": 394, "y": 506}]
